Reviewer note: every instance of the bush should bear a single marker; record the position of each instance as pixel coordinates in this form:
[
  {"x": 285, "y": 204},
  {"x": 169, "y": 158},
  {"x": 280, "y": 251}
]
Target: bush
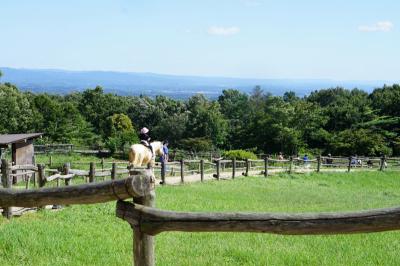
[
  {"x": 120, "y": 141},
  {"x": 197, "y": 144},
  {"x": 239, "y": 154}
]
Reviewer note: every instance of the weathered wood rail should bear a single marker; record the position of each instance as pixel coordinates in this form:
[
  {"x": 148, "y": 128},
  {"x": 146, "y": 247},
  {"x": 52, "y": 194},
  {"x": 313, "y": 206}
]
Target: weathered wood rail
[
  {"x": 136, "y": 186},
  {"x": 154, "y": 221}
]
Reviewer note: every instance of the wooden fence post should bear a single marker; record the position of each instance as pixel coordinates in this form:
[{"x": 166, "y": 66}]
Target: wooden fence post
[
  {"x": 50, "y": 161},
  {"x": 202, "y": 170},
  {"x": 319, "y": 163},
  {"x": 66, "y": 168},
  {"x": 6, "y": 180},
  {"x": 143, "y": 244},
  {"x": 182, "y": 163},
  {"x": 114, "y": 171},
  {"x": 290, "y": 164},
  {"x": 102, "y": 164},
  {"x": 218, "y": 168},
  {"x": 266, "y": 165},
  {"x": 233, "y": 168},
  {"x": 42, "y": 179},
  {"x": 246, "y": 173},
  {"x": 163, "y": 172},
  {"x": 349, "y": 166},
  {"x": 382, "y": 166},
  {"x": 34, "y": 174},
  {"x": 41, "y": 176},
  {"x": 92, "y": 172}
]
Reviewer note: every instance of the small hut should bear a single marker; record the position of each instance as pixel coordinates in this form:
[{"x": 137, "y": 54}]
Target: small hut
[{"x": 21, "y": 146}]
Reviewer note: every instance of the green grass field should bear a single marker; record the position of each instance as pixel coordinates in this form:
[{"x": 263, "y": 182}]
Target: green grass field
[{"x": 92, "y": 235}]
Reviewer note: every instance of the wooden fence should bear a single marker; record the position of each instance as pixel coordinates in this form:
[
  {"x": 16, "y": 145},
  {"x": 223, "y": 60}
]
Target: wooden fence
[
  {"x": 147, "y": 222},
  {"x": 40, "y": 176},
  {"x": 199, "y": 170}
]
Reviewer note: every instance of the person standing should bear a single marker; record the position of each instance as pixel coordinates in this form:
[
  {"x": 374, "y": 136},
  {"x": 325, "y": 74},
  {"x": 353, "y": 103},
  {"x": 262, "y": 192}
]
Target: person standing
[
  {"x": 164, "y": 159},
  {"x": 165, "y": 156}
]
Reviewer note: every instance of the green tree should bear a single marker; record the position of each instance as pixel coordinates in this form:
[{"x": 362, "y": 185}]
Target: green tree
[
  {"x": 309, "y": 120},
  {"x": 205, "y": 120},
  {"x": 359, "y": 142},
  {"x": 96, "y": 107},
  {"x": 235, "y": 108},
  {"x": 120, "y": 132},
  {"x": 61, "y": 121},
  {"x": 386, "y": 100},
  {"x": 16, "y": 114}
]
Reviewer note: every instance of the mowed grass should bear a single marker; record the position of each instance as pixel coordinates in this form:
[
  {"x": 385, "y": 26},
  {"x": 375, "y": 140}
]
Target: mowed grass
[{"x": 91, "y": 235}]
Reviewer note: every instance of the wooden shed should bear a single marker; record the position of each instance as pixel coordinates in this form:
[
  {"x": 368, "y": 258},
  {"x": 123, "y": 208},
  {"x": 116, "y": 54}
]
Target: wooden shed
[{"x": 21, "y": 146}]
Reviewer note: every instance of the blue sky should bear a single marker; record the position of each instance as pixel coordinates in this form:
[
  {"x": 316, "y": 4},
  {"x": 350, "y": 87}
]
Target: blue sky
[{"x": 347, "y": 40}]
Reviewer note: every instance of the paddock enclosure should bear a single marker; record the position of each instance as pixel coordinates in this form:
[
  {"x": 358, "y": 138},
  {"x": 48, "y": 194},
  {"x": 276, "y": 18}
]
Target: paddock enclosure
[{"x": 147, "y": 221}]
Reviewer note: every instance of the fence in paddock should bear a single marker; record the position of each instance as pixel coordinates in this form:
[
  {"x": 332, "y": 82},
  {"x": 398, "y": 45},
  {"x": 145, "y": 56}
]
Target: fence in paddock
[
  {"x": 178, "y": 172},
  {"x": 222, "y": 169},
  {"x": 39, "y": 176},
  {"x": 147, "y": 221},
  {"x": 199, "y": 170}
]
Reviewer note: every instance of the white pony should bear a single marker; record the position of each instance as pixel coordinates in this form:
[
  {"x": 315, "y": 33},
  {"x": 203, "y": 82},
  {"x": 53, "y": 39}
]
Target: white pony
[{"x": 140, "y": 155}]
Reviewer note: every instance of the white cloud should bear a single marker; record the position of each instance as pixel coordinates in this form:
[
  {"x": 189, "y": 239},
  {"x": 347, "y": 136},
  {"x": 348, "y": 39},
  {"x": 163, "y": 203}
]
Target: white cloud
[
  {"x": 384, "y": 26},
  {"x": 223, "y": 31}
]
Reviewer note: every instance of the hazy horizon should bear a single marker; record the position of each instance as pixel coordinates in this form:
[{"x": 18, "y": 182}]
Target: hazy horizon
[{"x": 197, "y": 76}]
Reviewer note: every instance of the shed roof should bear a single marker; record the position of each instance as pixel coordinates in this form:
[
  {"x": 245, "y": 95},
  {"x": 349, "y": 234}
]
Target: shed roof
[{"x": 13, "y": 138}]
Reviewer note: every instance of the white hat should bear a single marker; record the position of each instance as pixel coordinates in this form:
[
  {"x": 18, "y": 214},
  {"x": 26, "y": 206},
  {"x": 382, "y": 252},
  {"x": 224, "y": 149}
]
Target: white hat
[{"x": 144, "y": 130}]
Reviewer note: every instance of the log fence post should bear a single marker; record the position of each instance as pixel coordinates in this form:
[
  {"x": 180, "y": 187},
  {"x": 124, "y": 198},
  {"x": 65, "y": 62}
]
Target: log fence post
[
  {"x": 143, "y": 244},
  {"x": 163, "y": 172},
  {"x": 114, "y": 171},
  {"x": 66, "y": 168},
  {"x": 182, "y": 163},
  {"x": 202, "y": 170},
  {"x": 6, "y": 180},
  {"x": 41, "y": 175},
  {"x": 92, "y": 172},
  {"x": 266, "y": 166},
  {"x": 246, "y": 173},
  {"x": 218, "y": 168},
  {"x": 42, "y": 179},
  {"x": 50, "y": 161},
  {"x": 349, "y": 166},
  {"x": 290, "y": 164},
  {"x": 319, "y": 163},
  {"x": 233, "y": 168},
  {"x": 382, "y": 164},
  {"x": 34, "y": 174}
]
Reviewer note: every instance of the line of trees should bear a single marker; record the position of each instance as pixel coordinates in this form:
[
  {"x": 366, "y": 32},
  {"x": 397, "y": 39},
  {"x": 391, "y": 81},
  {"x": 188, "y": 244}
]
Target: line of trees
[{"x": 335, "y": 120}]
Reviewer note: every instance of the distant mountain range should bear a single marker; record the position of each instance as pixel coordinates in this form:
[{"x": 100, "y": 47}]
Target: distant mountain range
[{"x": 130, "y": 83}]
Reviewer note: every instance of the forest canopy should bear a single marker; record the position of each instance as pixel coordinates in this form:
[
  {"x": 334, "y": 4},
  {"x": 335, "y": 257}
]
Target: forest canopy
[{"x": 335, "y": 120}]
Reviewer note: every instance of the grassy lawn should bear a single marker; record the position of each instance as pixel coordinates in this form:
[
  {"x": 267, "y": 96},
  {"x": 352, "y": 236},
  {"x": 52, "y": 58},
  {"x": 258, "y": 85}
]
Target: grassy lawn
[
  {"x": 83, "y": 161},
  {"x": 91, "y": 235}
]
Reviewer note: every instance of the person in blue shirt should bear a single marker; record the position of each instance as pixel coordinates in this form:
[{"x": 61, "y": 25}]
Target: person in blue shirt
[
  {"x": 164, "y": 157},
  {"x": 305, "y": 158}
]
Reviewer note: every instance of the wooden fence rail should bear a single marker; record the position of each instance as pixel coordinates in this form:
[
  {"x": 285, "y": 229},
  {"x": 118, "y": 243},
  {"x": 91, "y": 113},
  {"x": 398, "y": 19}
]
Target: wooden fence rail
[
  {"x": 135, "y": 186},
  {"x": 154, "y": 221}
]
